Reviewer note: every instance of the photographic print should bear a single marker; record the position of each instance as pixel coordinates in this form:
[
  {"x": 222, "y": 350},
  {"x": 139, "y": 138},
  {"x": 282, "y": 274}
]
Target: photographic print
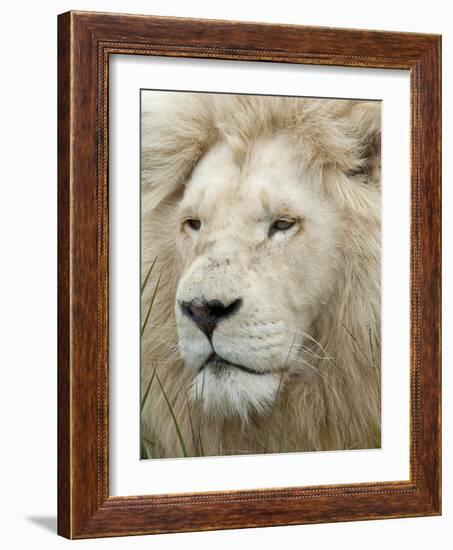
[
  {"x": 223, "y": 240},
  {"x": 260, "y": 262}
]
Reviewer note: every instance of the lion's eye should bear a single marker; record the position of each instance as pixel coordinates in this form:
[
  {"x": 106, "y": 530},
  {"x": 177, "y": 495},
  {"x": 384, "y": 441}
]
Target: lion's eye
[
  {"x": 193, "y": 223},
  {"x": 281, "y": 225}
]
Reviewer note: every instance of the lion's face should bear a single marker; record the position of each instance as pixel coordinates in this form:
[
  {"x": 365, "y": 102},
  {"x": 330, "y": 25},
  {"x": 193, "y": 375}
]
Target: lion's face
[{"x": 257, "y": 240}]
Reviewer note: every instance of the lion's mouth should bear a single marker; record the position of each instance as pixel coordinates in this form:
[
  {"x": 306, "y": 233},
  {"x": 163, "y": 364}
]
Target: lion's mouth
[{"x": 218, "y": 363}]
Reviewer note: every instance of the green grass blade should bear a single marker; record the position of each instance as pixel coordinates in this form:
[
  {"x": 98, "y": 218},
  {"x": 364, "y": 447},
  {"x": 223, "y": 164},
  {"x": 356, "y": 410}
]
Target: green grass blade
[
  {"x": 150, "y": 306},
  {"x": 285, "y": 417},
  {"x": 144, "y": 454},
  {"x": 359, "y": 347},
  {"x": 145, "y": 396},
  {"x": 271, "y": 418},
  {"x": 200, "y": 438},
  {"x": 178, "y": 431},
  {"x": 146, "y": 446},
  {"x": 269, "y": 427},
  {"x": 200, "y": 443},
  {"x": 202, "y": 384},
  {"x": 145, "y": 282},
  {"x": 371, "y": 347},
  {"x": 189, "y": 411}
]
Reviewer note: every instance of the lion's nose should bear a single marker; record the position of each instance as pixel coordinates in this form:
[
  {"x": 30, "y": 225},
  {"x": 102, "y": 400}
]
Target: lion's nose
[{"x": 207, "y": 313}]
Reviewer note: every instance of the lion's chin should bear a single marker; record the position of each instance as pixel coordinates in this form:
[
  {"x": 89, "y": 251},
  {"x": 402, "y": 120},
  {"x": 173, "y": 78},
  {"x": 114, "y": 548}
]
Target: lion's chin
[{"x": 231, "y": 392}]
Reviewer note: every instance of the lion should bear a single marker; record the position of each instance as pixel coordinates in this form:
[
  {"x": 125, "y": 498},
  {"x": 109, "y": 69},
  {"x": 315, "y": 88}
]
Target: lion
[{"x": 261, "y": 231}]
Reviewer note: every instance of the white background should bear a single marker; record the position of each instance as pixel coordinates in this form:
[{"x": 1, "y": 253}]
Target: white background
[
  {"x": 128, "y": 475},
  {"x": 28, "y": 271}
]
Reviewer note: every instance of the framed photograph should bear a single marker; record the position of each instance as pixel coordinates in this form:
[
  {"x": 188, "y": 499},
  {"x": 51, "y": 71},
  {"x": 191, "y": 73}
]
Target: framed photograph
[{"x": 249, "y": 275}]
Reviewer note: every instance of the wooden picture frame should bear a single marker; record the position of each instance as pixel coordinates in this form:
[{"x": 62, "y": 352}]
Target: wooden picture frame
[{"x": 85, "y": 42}]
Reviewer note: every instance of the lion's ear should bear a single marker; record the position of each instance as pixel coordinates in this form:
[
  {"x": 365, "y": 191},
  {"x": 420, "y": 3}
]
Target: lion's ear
[{"x": 366, "y": 126}]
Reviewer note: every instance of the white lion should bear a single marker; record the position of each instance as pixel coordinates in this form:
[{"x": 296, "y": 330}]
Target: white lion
[{"x": 262, "y": 215}]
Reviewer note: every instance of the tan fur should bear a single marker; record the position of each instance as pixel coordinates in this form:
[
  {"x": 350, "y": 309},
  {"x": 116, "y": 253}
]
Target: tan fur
[{"x": 339, "y": 406}]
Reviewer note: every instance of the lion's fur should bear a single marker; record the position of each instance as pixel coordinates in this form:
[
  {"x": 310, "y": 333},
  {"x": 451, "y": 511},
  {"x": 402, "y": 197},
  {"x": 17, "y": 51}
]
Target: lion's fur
[{"x": 340, "y": 407}]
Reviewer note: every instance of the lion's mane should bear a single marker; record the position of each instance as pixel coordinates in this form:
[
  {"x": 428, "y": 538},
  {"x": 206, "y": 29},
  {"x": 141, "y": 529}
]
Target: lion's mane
[{"x": 339, "y": 408}]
